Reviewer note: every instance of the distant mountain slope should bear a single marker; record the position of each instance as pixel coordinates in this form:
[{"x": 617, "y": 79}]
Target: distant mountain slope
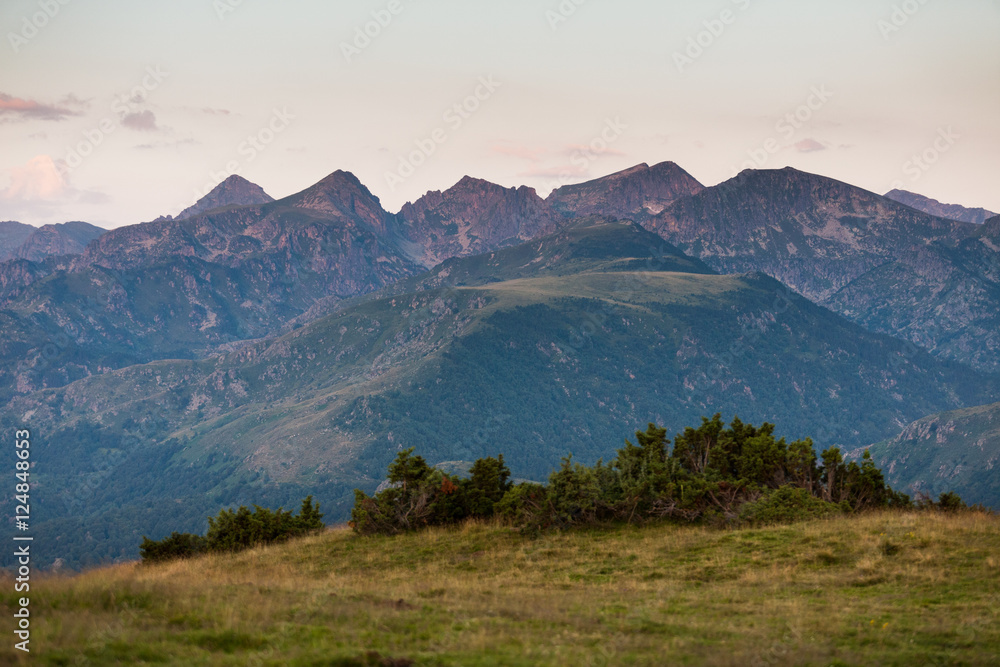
[
  {"x": 944, "y": 297},
  {"x": 472, "y": 217},
  {"x": 635, "y": 193},
  {"x": 536, "y": 365},
  {"x": 951, "y": 211},
  {"x": 68, "y": 238},
  {"x": 951, "y": 451},
  {"x": 234, "y": 191},
  {"x": 812, "y": 233},
  {"x": 883, "y": 264},
  {"x": 12, "y": 236}
]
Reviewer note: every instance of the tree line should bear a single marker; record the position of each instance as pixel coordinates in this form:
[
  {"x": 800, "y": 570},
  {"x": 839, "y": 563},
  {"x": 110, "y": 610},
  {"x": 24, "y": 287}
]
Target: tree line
[
  {"x": 236, "y": 530},
  {"x": 711, "y": 474}
]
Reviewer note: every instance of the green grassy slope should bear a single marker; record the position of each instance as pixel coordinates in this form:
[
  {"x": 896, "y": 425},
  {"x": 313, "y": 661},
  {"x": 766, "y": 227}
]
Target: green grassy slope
[{"x": 885, "y": 589}]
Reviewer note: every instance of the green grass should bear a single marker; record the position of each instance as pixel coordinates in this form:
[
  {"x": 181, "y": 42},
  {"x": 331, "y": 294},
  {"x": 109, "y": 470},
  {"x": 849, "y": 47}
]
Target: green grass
[{"x": 889, "y": 589}]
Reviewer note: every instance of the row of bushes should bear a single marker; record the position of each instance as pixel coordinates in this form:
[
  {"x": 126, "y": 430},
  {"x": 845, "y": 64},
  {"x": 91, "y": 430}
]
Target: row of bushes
[
  {"x": 236, "y": 530},
  {"x": 712, "y": 474}
]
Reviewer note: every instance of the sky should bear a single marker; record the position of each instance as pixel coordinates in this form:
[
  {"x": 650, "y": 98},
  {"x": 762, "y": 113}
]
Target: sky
[{"x": 121, "y": 111}]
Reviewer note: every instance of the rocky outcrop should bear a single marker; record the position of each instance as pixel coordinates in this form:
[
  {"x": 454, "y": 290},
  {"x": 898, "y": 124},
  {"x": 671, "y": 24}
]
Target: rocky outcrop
[{"x": 470, "y": 218}]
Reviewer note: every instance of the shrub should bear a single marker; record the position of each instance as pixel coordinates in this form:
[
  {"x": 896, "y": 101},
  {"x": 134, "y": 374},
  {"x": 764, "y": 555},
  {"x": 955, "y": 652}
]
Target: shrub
[
  {"x": 573, "y": 493},
  {"x": 409, "y": 503},
  {"x": 522, "y": 504},
  {"x": 422, "y": 496},
  {"x": 785, "y": 505},
  {"x": 487, "y": 486},
  {"x": 178, "y": 545},
  {"x": 235, "y": 530},
  {"x": 951, "y": 502}
]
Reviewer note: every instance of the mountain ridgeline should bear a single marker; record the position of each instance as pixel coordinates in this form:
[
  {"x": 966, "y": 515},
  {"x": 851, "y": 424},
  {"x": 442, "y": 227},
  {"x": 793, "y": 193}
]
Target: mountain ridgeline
[
  {"x": 951, "y": 211},
  {"x": 263, "y": 351},
  {"x": 19, "y": 241}
]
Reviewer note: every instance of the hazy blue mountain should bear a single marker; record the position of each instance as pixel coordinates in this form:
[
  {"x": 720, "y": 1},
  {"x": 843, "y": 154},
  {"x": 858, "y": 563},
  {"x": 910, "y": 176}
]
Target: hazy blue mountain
[
  {"x": 12, "y": 236},
  {"x": 67, "y": 238}
]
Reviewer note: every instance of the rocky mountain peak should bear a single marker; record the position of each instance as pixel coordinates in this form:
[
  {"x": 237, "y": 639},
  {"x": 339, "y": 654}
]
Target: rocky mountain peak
[
  {"x": 471, "y": 217},
  {"x": 342, "y": 195},
  {"x": 234, "y": 191},
  {"x": 637, "y": 192}
]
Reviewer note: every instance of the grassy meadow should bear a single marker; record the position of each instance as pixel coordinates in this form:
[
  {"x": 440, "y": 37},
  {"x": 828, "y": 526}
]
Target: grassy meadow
[{"x": 884, "y": 588}]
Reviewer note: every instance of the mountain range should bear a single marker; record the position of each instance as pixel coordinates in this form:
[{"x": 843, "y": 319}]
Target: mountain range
[
  {"x": 843, "y": 247},
  {"x": 256, "y": 350}
]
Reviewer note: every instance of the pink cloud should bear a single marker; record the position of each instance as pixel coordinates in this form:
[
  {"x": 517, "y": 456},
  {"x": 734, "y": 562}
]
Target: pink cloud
[
  {"x": 581, "y": 149},
  {"x": 809, "y": 146},
  {"x": 565, "y": 171},
  {"x": 39, "y": 179},
  {"x": 18, "y": 108},
  {"x": 522, "y": 152}
]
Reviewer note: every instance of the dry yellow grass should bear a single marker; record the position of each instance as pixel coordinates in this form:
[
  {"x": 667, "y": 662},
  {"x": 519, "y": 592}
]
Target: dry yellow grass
[{"x": 888, "y": 588}]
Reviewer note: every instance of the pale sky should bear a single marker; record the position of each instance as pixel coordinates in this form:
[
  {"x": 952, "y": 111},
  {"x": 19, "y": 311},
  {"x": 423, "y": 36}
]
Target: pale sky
[{"x": 116, "y": 112}]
